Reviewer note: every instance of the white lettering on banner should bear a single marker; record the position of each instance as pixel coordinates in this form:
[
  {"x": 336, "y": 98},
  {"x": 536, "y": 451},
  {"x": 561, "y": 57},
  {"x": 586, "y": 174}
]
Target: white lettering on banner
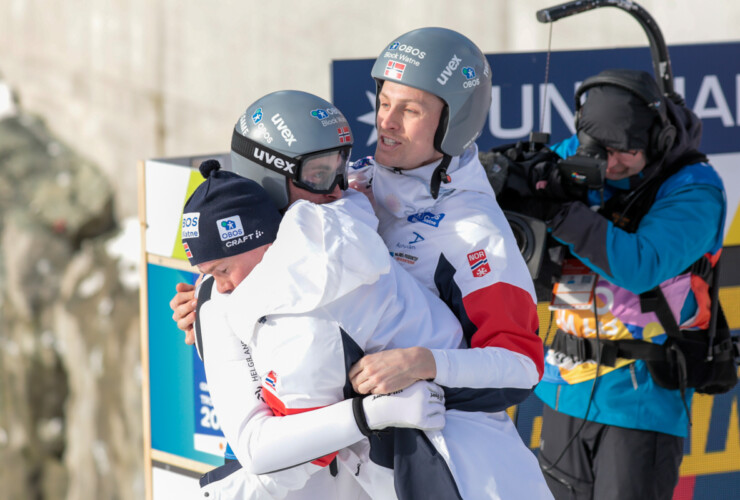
[
  {"x": 570, "y": 326},
  {"x": 283, "y": 128},
  {"x": 447, "y": 72},
  {"x": 710, "y": 87},
  {"x": 607, "y": 296},
  {"x": 611, "y": 328},
  {"x": 549, "y": 98},
  {"x": 494, "y": 114},
  {"x": 209, "y": 420},
  {"x": 269, "y": 159},
  {"x": 679, "y": 85},
  {"x": 709, "y": 103}
]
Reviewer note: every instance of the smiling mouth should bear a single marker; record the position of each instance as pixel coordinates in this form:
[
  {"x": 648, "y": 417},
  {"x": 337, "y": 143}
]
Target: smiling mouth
[{"x": 388, "y": 141}]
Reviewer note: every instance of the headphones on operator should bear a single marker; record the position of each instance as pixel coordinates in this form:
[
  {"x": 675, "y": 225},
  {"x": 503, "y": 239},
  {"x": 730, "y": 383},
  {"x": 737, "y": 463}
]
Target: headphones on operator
[{"x": 662, "y": 137}]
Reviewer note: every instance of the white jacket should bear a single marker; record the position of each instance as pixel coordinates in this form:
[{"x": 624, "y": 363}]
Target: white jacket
[
  {"x": 461, "y": 247},
  {"x": 326, "y": 287}
]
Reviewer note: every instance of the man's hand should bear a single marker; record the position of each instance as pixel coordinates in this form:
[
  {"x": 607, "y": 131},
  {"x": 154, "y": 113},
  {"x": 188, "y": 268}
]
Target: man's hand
[
  {"x": 389, "y": 371},
  {"x": 183, "y": 307},
  {"x": 420, "y": 406},
  {"x": 361, "y": 182}
]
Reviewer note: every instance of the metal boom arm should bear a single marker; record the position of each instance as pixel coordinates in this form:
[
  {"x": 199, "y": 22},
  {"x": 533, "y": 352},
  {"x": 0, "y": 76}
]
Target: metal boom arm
[{"x": 658, "y": 49}]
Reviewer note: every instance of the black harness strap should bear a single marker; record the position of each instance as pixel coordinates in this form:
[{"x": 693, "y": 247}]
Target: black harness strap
[{"x": 586, "y": 349}]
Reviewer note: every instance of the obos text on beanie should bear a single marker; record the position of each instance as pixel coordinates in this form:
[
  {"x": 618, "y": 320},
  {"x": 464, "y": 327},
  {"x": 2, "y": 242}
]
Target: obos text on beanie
[{"x": 226, "y": 215}]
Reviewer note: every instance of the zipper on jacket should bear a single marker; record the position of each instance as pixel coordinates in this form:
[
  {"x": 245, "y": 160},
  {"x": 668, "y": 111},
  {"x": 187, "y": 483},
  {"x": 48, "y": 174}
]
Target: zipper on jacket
[{"x": 633, "y": 375}]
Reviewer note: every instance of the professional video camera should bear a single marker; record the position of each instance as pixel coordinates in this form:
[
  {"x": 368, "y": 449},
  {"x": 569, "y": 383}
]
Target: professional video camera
[
  {"x": 517, "y": 171},
  {"x": 514, "y": 171},
  {"x": 587, "y": 167}
]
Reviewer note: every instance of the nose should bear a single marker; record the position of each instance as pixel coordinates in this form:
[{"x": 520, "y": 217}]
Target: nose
[
  {"x": 388, "y": 118},
  {"x": 335, "y": 195},
  {"x": 224, "y": 285},
  {"x": 611, "y": 160}
]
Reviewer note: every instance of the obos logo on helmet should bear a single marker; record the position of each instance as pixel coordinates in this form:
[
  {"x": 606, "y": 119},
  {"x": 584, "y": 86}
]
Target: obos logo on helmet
[
  {"x": 328, "y": 116},
  {"x": 470, "y": 79},
  {"x": 190, "y": 225},
  {"x": 402, "y": 52},
  {"x": 230, "y": 228},
  {"x": 257, "y": 120}
]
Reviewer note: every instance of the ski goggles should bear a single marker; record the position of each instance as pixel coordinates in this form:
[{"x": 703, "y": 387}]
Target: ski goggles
[{"x": 319, "y": 172}]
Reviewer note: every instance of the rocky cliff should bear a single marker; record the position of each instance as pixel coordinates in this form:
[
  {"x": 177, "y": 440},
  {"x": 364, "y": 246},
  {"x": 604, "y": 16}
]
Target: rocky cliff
[{"x": 70, "y": 381}]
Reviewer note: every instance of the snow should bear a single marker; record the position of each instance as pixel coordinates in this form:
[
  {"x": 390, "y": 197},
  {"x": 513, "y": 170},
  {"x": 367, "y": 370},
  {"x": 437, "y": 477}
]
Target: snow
[{"x": 126, "y": 247}]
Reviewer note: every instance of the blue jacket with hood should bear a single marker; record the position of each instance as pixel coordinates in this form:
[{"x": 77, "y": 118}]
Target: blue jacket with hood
[{"x": 685, "y": 222}]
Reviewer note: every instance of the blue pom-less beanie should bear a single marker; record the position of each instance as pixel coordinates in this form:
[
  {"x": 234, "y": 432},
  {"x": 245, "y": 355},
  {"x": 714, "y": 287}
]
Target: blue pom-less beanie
[{"x": 226, "y": 215}]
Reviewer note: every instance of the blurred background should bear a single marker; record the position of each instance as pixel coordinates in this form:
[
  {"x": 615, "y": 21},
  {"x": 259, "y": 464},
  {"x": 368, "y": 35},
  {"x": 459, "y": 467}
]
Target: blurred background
[{"x": 90, "y": 87}]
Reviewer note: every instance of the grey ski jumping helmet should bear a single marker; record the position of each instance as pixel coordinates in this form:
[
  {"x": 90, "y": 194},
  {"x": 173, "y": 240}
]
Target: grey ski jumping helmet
[
  {"x": 447, "y": 64},
  {"x": 292, "y": 136}
]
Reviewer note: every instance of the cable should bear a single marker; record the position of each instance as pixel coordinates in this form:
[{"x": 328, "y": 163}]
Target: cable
[
  {"x": 547, "y": 77},
  {"x": 548, "y": 468}
]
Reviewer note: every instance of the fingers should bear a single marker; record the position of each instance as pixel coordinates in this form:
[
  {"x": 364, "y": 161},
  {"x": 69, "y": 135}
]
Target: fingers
[
  {"x": 185, "y": 293},
  {"x": 186, "y": 322},
  {"x": 190, "y": 336},
  {"x": 184, "y": 287},
  {"x": 183, "y": 306}
]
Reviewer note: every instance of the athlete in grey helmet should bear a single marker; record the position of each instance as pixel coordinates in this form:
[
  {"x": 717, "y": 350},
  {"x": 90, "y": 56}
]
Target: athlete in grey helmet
[
  {"x": 292, "y": 136},
  {"x": 447, "y": 65}
]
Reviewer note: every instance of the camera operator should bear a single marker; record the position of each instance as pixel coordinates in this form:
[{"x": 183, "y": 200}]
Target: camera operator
[{"x": 612, "y": 427}]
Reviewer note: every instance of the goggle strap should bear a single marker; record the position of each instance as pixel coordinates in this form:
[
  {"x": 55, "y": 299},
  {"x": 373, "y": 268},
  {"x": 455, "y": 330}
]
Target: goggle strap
[{"x": 265, "y": 156}]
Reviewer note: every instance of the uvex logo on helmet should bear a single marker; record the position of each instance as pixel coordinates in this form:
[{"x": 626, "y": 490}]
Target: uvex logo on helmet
[
  {"x": 272, "y": 161},
  {"x": 283, "y": 129},
  {"x": 446, "y": 73}
]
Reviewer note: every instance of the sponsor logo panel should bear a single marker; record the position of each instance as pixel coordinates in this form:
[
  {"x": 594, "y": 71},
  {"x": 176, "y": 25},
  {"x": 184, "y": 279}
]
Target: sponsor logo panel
[
  {"x": 427, "y": 218},
  {"x": 479, "y": 263}
]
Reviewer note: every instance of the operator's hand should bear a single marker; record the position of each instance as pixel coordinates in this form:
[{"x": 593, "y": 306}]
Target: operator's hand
[
  {"x": 419, "y": 406},
  {"x": 392, "y": 370},
  {"x": 547, "y": 182},
  {"x": 183, "y": 307}
]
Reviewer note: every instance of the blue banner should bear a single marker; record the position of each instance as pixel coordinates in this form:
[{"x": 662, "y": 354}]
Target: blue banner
[{"x": 707, "y": 75}]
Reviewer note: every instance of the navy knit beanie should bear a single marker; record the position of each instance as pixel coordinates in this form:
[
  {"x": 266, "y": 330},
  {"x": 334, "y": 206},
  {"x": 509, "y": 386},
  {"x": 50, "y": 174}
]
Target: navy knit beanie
[{"x": 226, "y": 215}]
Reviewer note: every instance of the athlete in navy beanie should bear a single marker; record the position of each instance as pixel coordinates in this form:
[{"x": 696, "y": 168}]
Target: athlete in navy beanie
[{"x": 226, "y": 215}]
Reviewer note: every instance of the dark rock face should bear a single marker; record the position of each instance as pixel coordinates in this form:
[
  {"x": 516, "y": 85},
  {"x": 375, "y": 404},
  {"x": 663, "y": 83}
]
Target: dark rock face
[{"x": 70, "y": 372}]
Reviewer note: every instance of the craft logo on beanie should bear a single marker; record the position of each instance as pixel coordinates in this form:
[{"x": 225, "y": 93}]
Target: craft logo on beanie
[{"x": 226, "y": 215}]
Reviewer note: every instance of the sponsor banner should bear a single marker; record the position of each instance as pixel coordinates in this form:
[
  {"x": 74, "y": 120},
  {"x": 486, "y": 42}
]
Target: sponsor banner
[
  {"x": 182, "y": 420},
  {"x": 207, "y": 435},
  {"x": 522, "y": 102},
  {"x": 168, "y": 185}
]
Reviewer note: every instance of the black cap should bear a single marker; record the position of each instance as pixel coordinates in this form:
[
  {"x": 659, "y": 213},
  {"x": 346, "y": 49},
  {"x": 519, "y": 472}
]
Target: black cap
[
  {"x": 226, "y": 215},
  {"x": 618, "y": 118}
]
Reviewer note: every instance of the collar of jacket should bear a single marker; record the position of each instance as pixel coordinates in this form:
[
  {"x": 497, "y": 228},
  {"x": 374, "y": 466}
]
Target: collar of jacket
[{"x": 406, "y": 192}]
